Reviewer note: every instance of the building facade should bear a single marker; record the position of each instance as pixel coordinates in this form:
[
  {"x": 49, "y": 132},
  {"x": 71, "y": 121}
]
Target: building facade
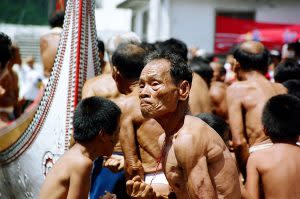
[{"x": 193, "y": 21}]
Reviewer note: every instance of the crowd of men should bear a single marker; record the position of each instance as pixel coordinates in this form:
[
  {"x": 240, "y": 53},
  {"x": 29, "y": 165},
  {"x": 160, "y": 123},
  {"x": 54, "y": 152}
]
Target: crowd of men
[{"x": 162, "y": 122}]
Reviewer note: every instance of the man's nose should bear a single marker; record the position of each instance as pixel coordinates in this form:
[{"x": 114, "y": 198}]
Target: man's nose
[{"x": 144, "y": 92}]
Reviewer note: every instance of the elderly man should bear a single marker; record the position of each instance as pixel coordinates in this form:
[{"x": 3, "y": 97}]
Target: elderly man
[{"x": 194, "y": 158}]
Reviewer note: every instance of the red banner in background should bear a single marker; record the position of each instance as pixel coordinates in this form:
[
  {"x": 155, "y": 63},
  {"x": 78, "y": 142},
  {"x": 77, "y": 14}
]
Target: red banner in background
[{"x": 231, "y": 31}]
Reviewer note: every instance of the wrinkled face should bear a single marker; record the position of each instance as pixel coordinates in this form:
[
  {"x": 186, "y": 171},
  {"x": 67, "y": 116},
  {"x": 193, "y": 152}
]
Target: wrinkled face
[{"x": 158, "y": 93}]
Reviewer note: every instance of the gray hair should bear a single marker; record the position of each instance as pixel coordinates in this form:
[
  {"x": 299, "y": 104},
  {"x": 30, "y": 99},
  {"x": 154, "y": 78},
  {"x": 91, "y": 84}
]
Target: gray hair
[{"x": 116, "y": 40}]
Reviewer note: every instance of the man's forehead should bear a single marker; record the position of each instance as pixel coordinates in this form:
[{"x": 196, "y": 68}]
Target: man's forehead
[{"x": 155, "y": 67}]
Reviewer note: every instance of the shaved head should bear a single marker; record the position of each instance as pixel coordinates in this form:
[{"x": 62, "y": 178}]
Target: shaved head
[
  {"x": 252, "y": 55},
  {"x": 252, "y": 47}
]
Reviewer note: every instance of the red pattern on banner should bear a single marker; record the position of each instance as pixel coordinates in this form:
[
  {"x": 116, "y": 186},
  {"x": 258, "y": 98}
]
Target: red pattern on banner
[{"x": 230, "y": 31}]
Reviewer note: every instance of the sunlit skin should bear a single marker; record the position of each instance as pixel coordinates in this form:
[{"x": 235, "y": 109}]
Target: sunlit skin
[
  {"x": 245, "y": 100},
  {"x": 217, "y": 94},
  {"x": 195, "y": 160},
  {"x": 159, "y": 86},
  {"x": 48, "y": 48},
  {"x": 70, "y": 176}
]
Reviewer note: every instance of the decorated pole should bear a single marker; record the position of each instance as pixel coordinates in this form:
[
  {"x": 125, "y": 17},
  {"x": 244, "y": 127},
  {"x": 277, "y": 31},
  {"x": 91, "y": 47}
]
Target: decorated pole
[{"x": 26, "y": 156}]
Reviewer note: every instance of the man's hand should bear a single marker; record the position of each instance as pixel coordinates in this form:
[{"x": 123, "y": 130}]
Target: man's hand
[
  {"x": 134, "y": 169},
  {"x": 115, "y": 163},
  {"x": 136, "y": 188}
]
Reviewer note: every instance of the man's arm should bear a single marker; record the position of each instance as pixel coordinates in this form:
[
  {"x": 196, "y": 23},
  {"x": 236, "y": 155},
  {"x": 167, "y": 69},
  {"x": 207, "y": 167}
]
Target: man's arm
[
  {"x": 252, "y": 183},
  {"x": 194, "y": 166},
  {"x": 240, "y": 145},
  {"x": 80, "y": 182},
  {"x": 133, "y": 165}
]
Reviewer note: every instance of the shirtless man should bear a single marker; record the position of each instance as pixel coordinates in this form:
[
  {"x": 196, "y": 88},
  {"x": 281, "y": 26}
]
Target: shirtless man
[
  {"x": 49, "y": 42},
  {"x": 6, "y": 55},
  {"x": 274, "y": 172},
  {"x": 9, "y": 81},
  {"x": 246, "y": 98},
  {"x": 195, "y": 159},
  {"x": 96, "y": 122},
  {"x": 104, "y": 85},
  {"x": 138, "y": 136}
]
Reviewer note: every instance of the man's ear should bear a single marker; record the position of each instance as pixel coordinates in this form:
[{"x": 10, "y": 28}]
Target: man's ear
[
  {"x": 116, "y": 74},
  {"x": 184, "y": 90},
  {"x": 236, "y": 66},
  {"x": 102, "y": 136},
  {"x": 266, "y": 133}
]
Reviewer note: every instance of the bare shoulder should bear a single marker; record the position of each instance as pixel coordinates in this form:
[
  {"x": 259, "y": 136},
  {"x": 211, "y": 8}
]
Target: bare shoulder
[
  {"x": 102, "y": 85},
  {"x": 280, "y": 89},
  {"x": 239, "y": 86},
  {"x": 193, "y": 135}
]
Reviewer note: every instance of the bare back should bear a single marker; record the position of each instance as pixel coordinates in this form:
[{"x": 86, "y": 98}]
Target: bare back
[
  {"x": 48, "y": 47},
  {"x": 250, "y": 96},
  {"x": 199, "y": 100},
  {"x": 69, "y": 178},
  {"x": 278, "y": 168},
  {"x": 196, "y": 157},
  {"x": 103, "y": 86}
]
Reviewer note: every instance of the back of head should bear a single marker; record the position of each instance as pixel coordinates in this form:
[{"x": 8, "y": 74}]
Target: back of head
[
  {"x": 217, "y": 123},
  {"x": 129, "y": 60},
  {"x": 115, "y": 41},
  {"x": 92, "y": 115},
  {"x": 289, "y": 69},
  {"x": 202, "y": 68},
  {"x": 149, "y": 47},
  {"x": 5, "y": 50},
  {"x": 175, "y": 46},
  {"x": 280, "y": 118},
  {"x": 179, "y": 70},
  {"x": 293, "y": 87},
  {"x": 252, "y": 55},
  {"x": 57, "y": 20}
]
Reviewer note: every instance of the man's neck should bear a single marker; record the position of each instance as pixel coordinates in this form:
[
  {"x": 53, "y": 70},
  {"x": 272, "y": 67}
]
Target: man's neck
[
  {"x": 251, "y": 75},
  {"x": 172, "y": 122},
  {"x": 130, "y": 86},
  {"x": 84, "y": 149}
]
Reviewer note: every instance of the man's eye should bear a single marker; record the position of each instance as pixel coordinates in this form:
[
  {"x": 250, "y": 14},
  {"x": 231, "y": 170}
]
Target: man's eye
[
  {"x": 155, "y": 84},
  {"x": 142, "y": 85}
]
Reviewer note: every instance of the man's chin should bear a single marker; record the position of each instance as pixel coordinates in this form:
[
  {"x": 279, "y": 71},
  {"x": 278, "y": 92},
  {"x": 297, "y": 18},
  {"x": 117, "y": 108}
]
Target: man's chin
[{"x": 147, "y": 114}]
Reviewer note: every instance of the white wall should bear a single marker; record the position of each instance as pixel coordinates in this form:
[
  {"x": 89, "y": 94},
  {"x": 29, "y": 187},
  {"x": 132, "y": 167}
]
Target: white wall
[{"x": 193, "y": 21}]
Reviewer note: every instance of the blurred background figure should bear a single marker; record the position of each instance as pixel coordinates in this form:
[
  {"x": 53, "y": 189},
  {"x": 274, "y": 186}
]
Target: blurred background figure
[{"x": 49, "y": 42}]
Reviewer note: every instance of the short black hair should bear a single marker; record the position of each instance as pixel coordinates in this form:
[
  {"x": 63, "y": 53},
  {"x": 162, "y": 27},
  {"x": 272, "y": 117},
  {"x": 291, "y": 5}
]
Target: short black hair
[
  {"x": 202, "y": 68},
  {"x": 293, "y": 86},
  {"x": 101, "y": 46},
  {"x": 218, "y": 124},
  {"x": 280, "y": 118},
  {"x": 289, "y": 69},
  {"x": 175, "y": 46},
  {"x": 57, "y": 20},
  {"x": 250, "y": 61},
  {"x": 129, "y": 60},
  {"x": 179, "y": 70},
  {"x": 149, "y": 47},
  {"x": 5, "y": 50},
  {"x": 94, "y": 114}
]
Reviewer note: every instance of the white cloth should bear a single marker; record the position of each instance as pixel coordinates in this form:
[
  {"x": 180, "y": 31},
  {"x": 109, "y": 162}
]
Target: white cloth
[
  {"x": 29, "y": 81},
  {"x": 159, "y": 178},
  {"x": 260, "y": 147}
]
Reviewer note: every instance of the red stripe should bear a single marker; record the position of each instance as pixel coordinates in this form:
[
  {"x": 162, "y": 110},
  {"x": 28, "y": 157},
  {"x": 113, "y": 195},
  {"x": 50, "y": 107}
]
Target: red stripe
[{"x": 78, "y": 54}]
